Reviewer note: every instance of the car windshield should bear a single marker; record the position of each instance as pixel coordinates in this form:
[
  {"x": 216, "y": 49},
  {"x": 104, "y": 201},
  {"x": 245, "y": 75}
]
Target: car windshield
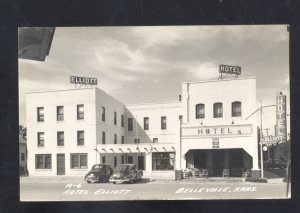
[{"x": 98, "y": 167}]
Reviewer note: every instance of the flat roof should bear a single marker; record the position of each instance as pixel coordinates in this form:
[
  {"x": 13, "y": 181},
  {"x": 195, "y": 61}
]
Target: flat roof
[
  {"x": 63, "y": 90},
  {"x": 214, "y": 80}
]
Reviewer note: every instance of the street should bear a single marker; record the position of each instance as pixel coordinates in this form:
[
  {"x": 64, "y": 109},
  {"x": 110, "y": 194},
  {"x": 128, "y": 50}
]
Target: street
[{"x": 144, "y": 190}]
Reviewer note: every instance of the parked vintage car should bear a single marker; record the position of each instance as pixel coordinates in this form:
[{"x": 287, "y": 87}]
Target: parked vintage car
[
  {"x": 99, "y": 173},
  {"x": 195, "y": 172},
  {"x": 186, "y": 173},
  {"x": 126, "y": 173}
]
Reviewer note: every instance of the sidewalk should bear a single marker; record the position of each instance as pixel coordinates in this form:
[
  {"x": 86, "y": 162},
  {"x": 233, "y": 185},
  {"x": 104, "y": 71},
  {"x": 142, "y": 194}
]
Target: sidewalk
[{"x": 52, "y": 179}]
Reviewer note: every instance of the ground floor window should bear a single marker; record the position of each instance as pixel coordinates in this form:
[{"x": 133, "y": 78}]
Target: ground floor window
[
  {"x": 130, "y": 159},
  {"x": 78, "y": 161},
  {"x": 163, "y": 161},
  {"x": 43, "y": 161}
]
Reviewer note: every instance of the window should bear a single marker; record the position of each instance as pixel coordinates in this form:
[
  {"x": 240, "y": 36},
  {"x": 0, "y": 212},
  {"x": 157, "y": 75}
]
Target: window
[
  {"x": 122, "y": 120},
  {"x": 22, "y": 156},
  {"x": 60, "y": 113},
  {"x": 79, "y": 161},
  {"x": 136, "y": 140},
  {"x": 115, "y": 138},
  {"x": 115, "y": 118},
  {"x": 218, "y": 110},
  {"x": 115, "y": 161},
  {"x": 103, "y": 137},
  {"x": 103, "y": 113},
  {"x": 163, "y": 122},
  {"x": 122, "y": 139},
  {"x": 80, "y": 112},
  {"x": 41, "y": 139},
  {"x": 40, "y": 114},
  {"x": 130, "y": 124},
  {"x": 43, "y": 161},
  {"x": 103, "y": 159},
  {"x": 122, "y": 159},
  {"x": 80, "y": 137},
  {"x": 236, "y": 108},
  {"x": 200, "y": 111},
  {"x": 60, "y": 138},
  {"x": 130, "y": 159},
  {"x": 155, "y": 140},
  {"x": 163, "y": 161},
  {"x": 146, "y": 123}
]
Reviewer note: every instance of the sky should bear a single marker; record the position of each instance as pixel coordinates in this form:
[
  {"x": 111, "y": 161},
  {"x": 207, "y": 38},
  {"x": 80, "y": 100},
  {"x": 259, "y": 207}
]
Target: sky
[{"x": 147, "y": 64}]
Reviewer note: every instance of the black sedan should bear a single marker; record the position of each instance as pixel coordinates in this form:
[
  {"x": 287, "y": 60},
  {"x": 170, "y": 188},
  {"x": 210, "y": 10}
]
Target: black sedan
[{"x": 99, "y": 173}]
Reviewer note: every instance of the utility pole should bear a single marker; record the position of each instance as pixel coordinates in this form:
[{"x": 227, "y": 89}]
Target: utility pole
[{"x": 261, "y": 144}]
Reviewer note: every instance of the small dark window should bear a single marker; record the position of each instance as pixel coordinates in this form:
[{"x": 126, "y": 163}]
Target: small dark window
[
  {"x": 236, "y": 109},
  {"x": 103, "y": 113},
  {"x": 146, "y": 123},
  {"x": 115, "y": 118},
  {"x": 122, "y": 120},
  {"x": 115, "y": 139},
  {"x": 123, "y": 139},
  {"x": 41, "y": 139},
  {"x": 122, "y": 159},
  {"x": 22, "y": 156},
  {"x": 200, "y": 111},
  {"x": 80, "y": 137},
  {"x": 103, "y": 159},
  {"x": 218, "y": 110},
  {"x": 40, "y": 114},
  {"x": 130, "y": 124},
  {"x": 136, "y": 140},
  {"x": 103, "y": 137},
  {"x": 60, "y": 113},
  {"x": 163, "y": 122},
  {"x": 155, "y": 140},
  {"x": 130, "y": 159},
  {"x": 80, "y": 112},
  {"x": 60, "y": 138}
]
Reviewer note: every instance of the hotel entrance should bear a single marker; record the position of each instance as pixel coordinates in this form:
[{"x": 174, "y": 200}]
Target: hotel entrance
[{"x": 216, "y": 160}]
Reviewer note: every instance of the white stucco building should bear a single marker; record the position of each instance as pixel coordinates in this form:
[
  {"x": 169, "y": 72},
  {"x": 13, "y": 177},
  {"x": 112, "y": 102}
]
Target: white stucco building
[{"x": 68, "y": 131}]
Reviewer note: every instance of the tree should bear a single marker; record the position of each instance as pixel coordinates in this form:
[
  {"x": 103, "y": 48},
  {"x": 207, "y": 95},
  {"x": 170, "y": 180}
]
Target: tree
[{"x": 283, "y": 151}]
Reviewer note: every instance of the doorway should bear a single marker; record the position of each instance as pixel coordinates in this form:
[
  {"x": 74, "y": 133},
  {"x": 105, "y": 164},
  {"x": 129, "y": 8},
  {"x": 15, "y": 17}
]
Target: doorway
[
  {"x": 141, "y": 162},
  {"x": 60, "y": 164}
]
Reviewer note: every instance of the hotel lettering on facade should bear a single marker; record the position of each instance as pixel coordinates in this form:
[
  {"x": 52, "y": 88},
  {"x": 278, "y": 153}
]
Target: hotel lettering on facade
[{"x": 71, "y": 130}]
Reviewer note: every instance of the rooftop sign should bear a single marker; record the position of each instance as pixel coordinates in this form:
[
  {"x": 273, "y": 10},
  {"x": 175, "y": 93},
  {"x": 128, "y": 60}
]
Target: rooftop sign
[
  {"x": 230, "y": 69},
  {"x": 83, "y": 80}
]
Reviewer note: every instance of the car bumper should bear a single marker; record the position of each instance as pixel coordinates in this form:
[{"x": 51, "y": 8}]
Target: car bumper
[{"x": 120, "y": 180}]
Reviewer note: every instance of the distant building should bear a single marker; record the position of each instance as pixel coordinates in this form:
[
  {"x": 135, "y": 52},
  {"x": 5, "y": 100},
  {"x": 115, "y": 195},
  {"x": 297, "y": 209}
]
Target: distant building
[
  {"x": 23, "y": 155},
  {"x": 71, "y": 130}
]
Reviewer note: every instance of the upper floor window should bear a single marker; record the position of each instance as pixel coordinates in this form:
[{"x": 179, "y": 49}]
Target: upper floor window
[
  {"x": 115, "y": 118},
  {"x": 40, "y": 114},
  {"x": 103, "y": 137},
  {"x": 103, "y": 113},
  {"x": 130, "y": 124},
  {"x": 122, "y": 139},
  {"x": 60, "y": 138},
  {"x": 41, "y": 139},
  {"x": 200, "y": 111},
  {"x": 115, "y": 139},
  {"x": 146, "y": 123},
  {"x": 136, "y": 140},
  {"x": 60, "y": 113},
  {"x": 80, "y": 112},
  {"x": 122, "y": 120},
  {"x": 163, "y": 122},
  {"x": 155, "y": 140},
  {"x": 80, "y": 137},
  {"x": 236, "y": 108},
  {"x": 218, "y": 110}
]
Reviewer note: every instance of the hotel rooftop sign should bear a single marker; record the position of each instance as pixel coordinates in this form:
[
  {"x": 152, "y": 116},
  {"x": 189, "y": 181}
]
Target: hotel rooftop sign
[
  {"x": 235, "y": 70},
  {"x": 83, "y": 80}
]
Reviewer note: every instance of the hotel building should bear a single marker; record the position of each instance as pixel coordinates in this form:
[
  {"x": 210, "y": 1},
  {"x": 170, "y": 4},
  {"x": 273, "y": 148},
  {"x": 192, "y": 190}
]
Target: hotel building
[{"x": 68, "y": 131}]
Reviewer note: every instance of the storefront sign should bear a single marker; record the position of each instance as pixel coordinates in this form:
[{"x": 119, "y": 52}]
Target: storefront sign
[
  {"x": 230, "y": 69},
  {"x": 83, "y": 80},
  {"x": 281, "y": 117},
  {"x": 217, "y": 130}
]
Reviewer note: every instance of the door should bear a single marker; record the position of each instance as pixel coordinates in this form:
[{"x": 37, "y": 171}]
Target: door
[
  {"x": 60, "y": 164},
  {"x": 140, "y": 162},
  {"x": 218, "y": 162}
]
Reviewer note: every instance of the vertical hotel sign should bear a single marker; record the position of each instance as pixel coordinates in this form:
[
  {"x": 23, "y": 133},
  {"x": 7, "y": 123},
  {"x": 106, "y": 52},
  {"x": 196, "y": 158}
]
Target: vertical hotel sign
[{"x": 281, "y": 117}]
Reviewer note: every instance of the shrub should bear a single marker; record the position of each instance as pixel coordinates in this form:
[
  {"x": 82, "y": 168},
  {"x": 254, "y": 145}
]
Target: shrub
[{"x": 256, "y": 180}]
